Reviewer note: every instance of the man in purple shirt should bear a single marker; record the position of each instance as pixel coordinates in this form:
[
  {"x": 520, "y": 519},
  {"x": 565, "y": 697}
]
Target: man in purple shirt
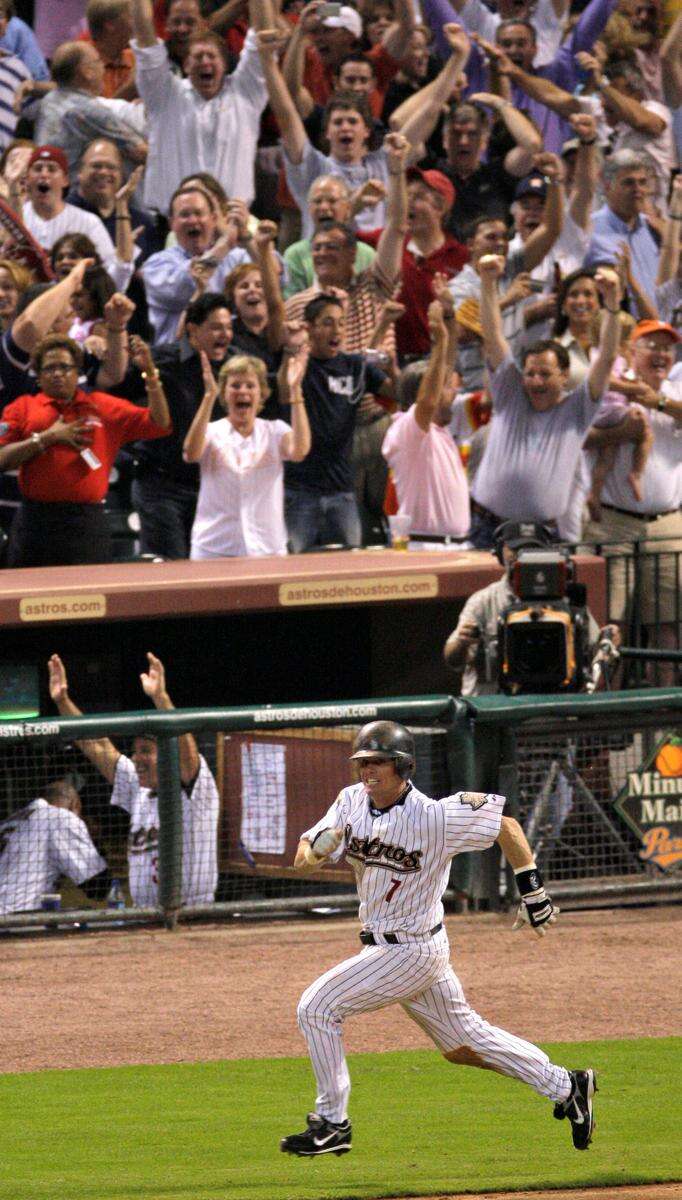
[
  {"x": 625, "y": 178},
  {"x": 516, "y": 42},
  {"x": 537, "y": 427}
]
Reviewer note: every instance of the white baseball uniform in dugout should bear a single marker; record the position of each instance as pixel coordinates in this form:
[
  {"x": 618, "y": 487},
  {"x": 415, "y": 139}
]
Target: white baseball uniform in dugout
[
  {"x": 200, "y": 807},
  {"x": 38, "y": 844}
]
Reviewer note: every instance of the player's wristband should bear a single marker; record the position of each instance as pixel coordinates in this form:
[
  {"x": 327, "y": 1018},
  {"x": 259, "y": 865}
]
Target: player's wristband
[
  {"x": 531, "y": 887},
  {"x": 529, "y": 881}
]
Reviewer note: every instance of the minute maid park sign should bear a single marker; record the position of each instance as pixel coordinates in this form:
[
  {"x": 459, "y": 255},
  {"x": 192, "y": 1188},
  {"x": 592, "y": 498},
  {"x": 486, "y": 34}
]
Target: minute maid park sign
[{"x": 651, "y": 803}]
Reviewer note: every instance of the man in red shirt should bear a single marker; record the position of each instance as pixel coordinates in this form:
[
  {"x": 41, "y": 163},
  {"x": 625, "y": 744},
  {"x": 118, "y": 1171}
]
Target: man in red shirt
[
  {"x": 64, "y": 441},
  {"x": 428, "y": 251}
]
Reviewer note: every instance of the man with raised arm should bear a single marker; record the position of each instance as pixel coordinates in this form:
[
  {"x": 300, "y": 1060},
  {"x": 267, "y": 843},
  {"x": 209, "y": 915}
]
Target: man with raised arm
[
  {"x": 427, "y": 469},
  {"x": 348, "y": 126},
  {"x": 135, "y": 782},
  {"x": 38, "y": 318},
  {"x": 210, "y": 119},
  {"x": 538, "y": 428}
]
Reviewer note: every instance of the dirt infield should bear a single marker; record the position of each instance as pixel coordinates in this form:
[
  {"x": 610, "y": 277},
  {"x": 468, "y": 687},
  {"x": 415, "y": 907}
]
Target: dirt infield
[
  {"x": 214, "y": 992},
  {"x": 657, "y": 1191},
  {"x": 217, "y": 992}
]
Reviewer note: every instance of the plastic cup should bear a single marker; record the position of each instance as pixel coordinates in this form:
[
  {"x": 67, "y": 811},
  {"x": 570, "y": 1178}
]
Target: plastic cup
[{"x": 399, "y": 526}]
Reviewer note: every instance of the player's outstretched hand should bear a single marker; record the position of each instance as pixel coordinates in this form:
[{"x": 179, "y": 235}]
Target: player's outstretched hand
[{"x": 324, "y": 844}]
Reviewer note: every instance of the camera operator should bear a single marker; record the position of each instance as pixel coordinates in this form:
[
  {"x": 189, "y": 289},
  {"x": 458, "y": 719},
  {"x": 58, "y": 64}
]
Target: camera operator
[{"x": 472, "y": 647}]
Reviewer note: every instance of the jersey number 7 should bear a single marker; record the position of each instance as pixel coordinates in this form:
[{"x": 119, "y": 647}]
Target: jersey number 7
[{"x": 395, "y": 884}]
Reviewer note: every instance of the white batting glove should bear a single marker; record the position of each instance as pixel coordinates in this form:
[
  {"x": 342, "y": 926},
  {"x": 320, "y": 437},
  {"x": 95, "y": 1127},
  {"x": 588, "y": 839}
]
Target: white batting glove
[{"x": 523, "y": 918}]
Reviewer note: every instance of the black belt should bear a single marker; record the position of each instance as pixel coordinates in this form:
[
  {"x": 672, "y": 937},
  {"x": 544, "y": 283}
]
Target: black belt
[
  {"x": 482, "y": 511},
  {"x": 368, "y": 939},
  {"x": 627, "y": 512}
]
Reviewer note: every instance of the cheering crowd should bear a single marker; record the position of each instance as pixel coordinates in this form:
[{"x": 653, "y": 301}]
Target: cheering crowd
[{"x": 272, "y": 273}]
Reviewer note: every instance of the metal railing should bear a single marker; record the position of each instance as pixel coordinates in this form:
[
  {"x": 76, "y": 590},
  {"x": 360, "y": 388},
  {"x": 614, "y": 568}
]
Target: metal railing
[
  {"x": 644, "y": 596},
  {"x": 560, "y": 760},
  {"x": 294, "y": 756}
]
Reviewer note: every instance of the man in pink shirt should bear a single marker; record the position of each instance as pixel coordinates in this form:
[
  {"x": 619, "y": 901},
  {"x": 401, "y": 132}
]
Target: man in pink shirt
[{"x": 427, "y": 470}]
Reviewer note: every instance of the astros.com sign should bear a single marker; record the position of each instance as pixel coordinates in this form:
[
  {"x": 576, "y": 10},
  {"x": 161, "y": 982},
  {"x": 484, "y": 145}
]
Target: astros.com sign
[
  {"x": 29, "y": 729},
  {"x": 651, "y": 804}
]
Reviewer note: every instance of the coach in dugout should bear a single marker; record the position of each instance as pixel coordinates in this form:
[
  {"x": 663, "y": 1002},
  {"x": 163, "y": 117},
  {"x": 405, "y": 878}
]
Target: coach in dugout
[
  {"x": 135, "y": 790},
  {"x": 45, "y": 839}
]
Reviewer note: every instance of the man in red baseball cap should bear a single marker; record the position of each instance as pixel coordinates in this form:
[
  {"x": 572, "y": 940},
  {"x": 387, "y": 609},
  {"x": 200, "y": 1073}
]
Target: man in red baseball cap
[
  {"x": 646, "y": 328},
  {"x": 47, "y": 216},
  {"x": 428, "y": 251},
  {"x": 50, "y": 154}
]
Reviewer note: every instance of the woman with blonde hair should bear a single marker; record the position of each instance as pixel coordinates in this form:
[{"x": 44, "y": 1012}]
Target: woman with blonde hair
[
  {"x": 14, "y": 279},
  {"x": 240, "y": 510}
]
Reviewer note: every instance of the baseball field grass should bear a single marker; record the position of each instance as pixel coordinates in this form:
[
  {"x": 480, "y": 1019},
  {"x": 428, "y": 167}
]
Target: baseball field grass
[{"x": 210, "y": 1131}]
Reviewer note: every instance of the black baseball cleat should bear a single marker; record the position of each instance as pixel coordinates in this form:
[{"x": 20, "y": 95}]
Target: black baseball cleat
[
  {"x": 578, "y": 1107},
  {"x": 321, "y": 1137}
]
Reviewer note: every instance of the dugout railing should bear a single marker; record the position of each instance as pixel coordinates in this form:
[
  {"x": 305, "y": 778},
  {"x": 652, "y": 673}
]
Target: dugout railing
[
  {"x": 636, "y": 599},
  {"x": 277, "y": 768},
  {"x": 562, "y": 760}
]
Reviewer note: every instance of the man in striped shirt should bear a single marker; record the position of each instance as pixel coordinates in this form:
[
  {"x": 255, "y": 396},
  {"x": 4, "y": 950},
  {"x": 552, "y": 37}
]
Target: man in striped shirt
[
  {"x": 13, "y": 72},
  {"x": 399, "y": 843}
]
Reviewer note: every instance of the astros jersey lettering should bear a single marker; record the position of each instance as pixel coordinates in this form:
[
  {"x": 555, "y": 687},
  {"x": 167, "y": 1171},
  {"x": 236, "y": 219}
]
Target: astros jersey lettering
[
  {"x": 37, "y": 845},
  {"x": 401, "y": 856},
  {"x": 200, "y": 806}
]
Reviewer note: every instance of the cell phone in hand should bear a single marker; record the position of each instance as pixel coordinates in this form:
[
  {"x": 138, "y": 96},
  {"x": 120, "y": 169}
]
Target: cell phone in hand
[
  {"x": 536, "y": 285},
  {"x": 328, "y": 10}
]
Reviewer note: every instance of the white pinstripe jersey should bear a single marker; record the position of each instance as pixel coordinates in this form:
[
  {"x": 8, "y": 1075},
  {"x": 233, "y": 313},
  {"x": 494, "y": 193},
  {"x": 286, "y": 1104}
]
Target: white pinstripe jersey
[
  {"x": 200, "y": 808},
  {"x": 401, "y": 856},
  {"x": 37, "y": 845}
]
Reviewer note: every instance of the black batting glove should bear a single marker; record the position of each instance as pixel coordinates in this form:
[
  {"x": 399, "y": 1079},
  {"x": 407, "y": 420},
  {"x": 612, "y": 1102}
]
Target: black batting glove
[{"x": 536, "y": 908}]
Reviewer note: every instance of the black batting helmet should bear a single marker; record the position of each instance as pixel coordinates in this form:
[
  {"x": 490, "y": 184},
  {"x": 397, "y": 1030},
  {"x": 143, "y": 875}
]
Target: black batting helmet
[{"x": 386, "y": 739}]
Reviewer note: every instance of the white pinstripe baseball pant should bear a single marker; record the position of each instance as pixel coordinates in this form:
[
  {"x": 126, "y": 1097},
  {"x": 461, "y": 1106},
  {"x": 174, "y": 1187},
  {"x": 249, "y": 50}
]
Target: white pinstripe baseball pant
[{"x": 418, "y": 976}]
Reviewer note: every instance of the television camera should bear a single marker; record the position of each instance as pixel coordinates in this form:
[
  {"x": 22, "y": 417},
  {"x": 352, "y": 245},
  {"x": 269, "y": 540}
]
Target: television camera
[{"x": 543, "y": 642}]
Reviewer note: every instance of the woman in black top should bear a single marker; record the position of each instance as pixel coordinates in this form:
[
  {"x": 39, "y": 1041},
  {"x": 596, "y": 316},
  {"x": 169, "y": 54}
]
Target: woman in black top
[{"x": 254, "y": 295}]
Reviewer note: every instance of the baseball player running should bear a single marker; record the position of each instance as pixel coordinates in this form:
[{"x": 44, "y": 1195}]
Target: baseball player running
[
  {"x": 134, "y": 789},
  {"x": 399, "y": 843}
]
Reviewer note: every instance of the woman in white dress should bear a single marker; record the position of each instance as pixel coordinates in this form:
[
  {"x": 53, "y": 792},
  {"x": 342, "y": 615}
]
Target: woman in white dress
[{"x": 240, "y": 510}]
